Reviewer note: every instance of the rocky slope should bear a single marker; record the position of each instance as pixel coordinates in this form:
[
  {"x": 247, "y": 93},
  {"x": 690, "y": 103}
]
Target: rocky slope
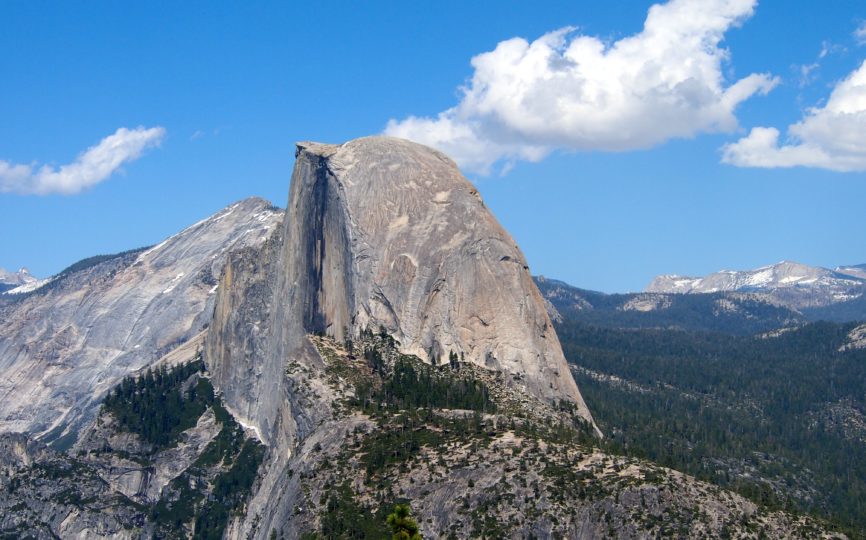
[
  {"x": 129, "y": 477},
  {"x": 65, "y": 344},
  {"x": 472, "y": 454},
  {"x": 793, "y": 284},
  {"x": 856, "y": 339},
  {"x": 508, "y": 466},
  {"x": 47, "y": 494},
  {"x": 381, "y": 233}
]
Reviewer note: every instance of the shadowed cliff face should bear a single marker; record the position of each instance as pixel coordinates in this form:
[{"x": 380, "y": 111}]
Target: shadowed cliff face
[
  {"x": 382, "y": 232},
  {"x": 408, "y": 244}
]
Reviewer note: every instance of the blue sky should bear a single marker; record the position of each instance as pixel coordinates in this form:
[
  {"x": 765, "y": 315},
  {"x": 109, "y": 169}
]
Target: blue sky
[{"x": 231, "y": 86}]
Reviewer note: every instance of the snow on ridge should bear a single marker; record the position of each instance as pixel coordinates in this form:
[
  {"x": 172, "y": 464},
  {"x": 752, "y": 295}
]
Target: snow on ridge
[
  {"x": 262, "y": 216},
  {"x": 30, "y": 286}
]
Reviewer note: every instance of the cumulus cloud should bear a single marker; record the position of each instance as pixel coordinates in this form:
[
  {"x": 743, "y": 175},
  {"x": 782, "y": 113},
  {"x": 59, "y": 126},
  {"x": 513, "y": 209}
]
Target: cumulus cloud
[
  {"x": 93, "y": 166},
  {"x": 828, "y": 137},
  {"x": 575, "y": 92}
]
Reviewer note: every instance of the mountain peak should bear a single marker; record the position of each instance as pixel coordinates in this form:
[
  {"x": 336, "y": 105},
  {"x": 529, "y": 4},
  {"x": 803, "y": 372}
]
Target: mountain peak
[
  {"x": 16, "y": 279},
  {"x": 384, "y": 233}
]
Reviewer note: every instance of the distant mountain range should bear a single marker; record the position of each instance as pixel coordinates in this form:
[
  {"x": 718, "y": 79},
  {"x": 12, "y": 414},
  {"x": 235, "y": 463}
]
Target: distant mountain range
[
  {"x": 742, "y": 303},
  {"x": 11, "y": 280},
  {"x": 794, "y": 285}
]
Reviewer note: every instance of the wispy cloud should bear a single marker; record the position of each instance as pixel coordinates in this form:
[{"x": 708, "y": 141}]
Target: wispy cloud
[
  {"x": 575, "y": 92},
  {"x": 829, "y": 137},
  {"x": 93, "y": 166},
  {"x": 807, "y": 73},
  {"x": 860, "y": 33}
]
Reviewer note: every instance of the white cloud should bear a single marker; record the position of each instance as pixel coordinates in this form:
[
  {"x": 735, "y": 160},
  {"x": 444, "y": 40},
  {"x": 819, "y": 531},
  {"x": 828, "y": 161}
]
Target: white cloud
[
  {"x": 575, "y": 92},
  {"x": 93, "y": 166},
  {"x": 860, "y": 33},
  {"x": 828, "y": 137}
]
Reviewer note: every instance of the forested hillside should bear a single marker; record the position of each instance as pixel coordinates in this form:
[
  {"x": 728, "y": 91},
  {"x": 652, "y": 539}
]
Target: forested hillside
[{"x": 777, "y": 417}]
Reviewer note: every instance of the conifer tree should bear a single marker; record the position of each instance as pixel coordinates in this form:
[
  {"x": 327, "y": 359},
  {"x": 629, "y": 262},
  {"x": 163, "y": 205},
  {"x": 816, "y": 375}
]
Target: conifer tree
[{"x": 401, "y": 522}]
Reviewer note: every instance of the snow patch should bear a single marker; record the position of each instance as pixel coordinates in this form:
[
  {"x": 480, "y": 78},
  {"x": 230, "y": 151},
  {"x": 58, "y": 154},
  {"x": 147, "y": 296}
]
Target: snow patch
[
  {"x": 173, "y": 283},
  {"x": 30, "y": 287}
]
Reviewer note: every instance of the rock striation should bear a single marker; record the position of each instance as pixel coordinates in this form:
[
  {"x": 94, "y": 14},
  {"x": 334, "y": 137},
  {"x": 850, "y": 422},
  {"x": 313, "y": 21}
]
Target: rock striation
[{"x": 63, "y": 345}]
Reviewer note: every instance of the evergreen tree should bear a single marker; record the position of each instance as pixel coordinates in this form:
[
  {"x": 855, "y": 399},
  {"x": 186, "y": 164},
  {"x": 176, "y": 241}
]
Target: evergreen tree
[{"x": 401, "y": 522}]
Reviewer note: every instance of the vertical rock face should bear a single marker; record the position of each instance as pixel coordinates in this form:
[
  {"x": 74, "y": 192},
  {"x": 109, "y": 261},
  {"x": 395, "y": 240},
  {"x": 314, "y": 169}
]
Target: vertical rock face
[{"x": 382, "y": 232}]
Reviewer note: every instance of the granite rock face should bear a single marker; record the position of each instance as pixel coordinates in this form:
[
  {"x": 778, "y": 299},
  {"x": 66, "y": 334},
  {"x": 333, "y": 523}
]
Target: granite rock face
[
  {"x": 46, "y": 494},
  {"x": 382, "y": 233},
  {"x": 395, "y": 236},
  {"x": 62, "y": 346}
]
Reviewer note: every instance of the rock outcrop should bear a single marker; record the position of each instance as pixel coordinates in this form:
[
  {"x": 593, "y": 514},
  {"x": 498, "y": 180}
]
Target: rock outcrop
[
  {"x": 46, "y": 494},
  {"x": 385, "y": 233},
  {"x": 62, "y": 346},
  {"x": 434, "y": 376}
]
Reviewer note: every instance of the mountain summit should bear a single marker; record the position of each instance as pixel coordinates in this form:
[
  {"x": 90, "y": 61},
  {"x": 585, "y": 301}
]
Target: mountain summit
[
  {"x": 64, "y": 344},
  {"x": 386, "y": 233},
  {"x": 11, "y": 280}
]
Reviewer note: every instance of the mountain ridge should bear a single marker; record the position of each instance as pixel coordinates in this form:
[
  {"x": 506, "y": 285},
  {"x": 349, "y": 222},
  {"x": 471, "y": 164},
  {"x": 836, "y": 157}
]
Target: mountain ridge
[
  {"x": 108, "y": 316},
  {"x": 794, "y": 284}
]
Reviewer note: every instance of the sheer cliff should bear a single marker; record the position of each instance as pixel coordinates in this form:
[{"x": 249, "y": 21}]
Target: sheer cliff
[{"x": 385, "y": 233}]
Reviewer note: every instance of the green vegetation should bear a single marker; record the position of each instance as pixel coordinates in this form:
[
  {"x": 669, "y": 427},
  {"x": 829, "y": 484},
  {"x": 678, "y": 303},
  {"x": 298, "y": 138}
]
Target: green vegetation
[
  {"x": 412, "y": 384},
  {"x": 236, "y": 459},
  {"x": 159, "y": 406},
  {"x": 779, "y": 420},
  {"x": 344, "y": 518},
  {"x": 155, "y": 405},
  {"x": 90, "y": 262},
  {"x": 402, "y": 524},
  {"x": 230, "y": 491}
]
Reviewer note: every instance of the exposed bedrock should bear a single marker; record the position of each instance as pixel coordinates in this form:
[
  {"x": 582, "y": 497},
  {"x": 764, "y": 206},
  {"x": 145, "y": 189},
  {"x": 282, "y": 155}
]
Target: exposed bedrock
[
  {"x": 63, "y": 346},
  {"x": 379, "y": 233}
]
